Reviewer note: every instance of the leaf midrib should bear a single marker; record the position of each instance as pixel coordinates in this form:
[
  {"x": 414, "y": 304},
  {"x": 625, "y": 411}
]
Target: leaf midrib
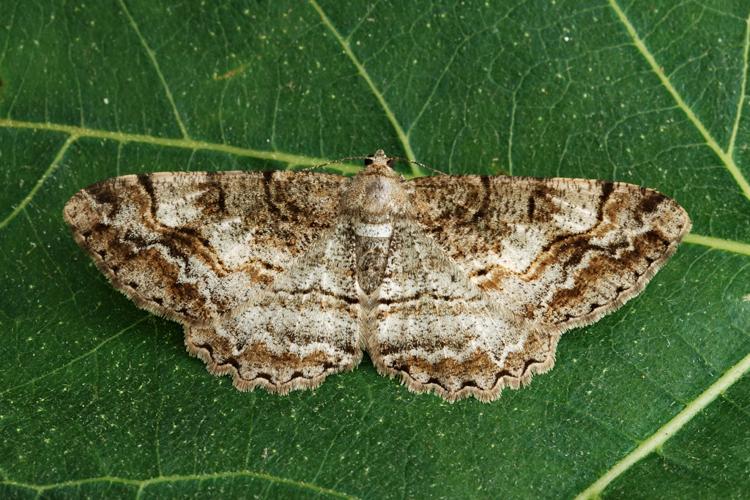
[
  {"x": 293, "y": 160},
  {"x": 661, "y": 435},
  {"x": 142, "y": 484}
]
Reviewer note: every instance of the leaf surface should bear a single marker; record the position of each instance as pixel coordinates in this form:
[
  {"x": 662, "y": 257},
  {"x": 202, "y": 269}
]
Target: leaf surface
[{"x": 98, "y": 398}]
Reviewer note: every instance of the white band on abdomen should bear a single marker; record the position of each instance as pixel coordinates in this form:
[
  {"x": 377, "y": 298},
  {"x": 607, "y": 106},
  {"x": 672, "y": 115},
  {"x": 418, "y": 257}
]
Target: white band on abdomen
[{"x": 373, "y": 230}]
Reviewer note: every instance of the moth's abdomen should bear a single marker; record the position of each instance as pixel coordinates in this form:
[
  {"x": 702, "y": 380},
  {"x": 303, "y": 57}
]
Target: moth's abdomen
[
  {"x": 375, "y": 200},
  {"x": 372, "y": 256}
]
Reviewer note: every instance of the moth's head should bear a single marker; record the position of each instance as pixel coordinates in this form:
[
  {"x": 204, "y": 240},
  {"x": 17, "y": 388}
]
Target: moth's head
[{"x": 379, "y": 163}]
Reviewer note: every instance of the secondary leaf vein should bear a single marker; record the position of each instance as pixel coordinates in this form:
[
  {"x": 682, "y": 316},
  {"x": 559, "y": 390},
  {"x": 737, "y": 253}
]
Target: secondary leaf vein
[
  {"x": 725, "y": 156},
  {"x": 77, "y": 358},
  {"x": 402, "y": 136},
  {"x": 50, "y": 170},
  {"x": 743, "y": 89},
  {"x": 143, "y": 483},
  {"x": 152, "y": 56}
]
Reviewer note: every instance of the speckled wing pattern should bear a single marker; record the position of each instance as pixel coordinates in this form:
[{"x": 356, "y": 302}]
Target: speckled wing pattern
[
  {"x": 550, "y": 254},
  {"x": 458, "y": 285}
]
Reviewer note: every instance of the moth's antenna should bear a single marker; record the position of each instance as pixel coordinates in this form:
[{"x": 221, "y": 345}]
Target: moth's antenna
[
  {"x": 406, "y": 160},
  {"x": 347, "y": 158},
  {"x": 332, "y": 162}
]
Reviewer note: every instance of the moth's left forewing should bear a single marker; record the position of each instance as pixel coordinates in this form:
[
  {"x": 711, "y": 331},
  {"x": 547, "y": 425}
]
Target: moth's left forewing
[
  {"x": 556, "y": 251},
  {"x": 192, "y": 246}
]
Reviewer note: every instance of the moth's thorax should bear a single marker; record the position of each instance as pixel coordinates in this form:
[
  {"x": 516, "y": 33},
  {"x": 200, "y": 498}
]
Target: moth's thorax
[
  {"x": 375, "y": 193},
  {"x": 375, "y": 199}
]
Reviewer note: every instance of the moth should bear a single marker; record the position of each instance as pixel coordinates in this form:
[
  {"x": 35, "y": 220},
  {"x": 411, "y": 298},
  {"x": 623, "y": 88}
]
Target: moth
[{"x": 457, "y": 285}]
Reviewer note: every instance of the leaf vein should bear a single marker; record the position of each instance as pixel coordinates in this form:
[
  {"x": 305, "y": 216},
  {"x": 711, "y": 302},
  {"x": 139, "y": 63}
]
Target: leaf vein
[
  {"x": 191, "y": 144},
  {"x": 53, "y": 166},
  {"x": 402, "y": 136},
  {"x": 77, "y": 358},
  {"x": 658, "y": 438},
  {"x": 440, "y": 78},
  {"x": 144, "y": 483},
  {"x": 718, "y": 243},
  {"x": 743, "y": 89},
  {"x": 152, "y": 56},
  {"x": 711, "y": 142}
]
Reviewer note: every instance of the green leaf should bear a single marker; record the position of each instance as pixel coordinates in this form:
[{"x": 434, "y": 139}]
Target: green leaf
[{"x": 97, "y": 398}]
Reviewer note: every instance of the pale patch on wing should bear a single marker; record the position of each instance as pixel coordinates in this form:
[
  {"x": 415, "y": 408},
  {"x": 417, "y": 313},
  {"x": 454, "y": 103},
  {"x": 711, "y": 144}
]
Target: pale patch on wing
[
  {"x": 571, "y": 224},
  {"x": 230, "y": 238},
  {"x": 231, "y": 289},
  {"x": 175, "y": 211},
  {"x": 304, "y": 328},
  {"x": 520, "y": 248}
]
